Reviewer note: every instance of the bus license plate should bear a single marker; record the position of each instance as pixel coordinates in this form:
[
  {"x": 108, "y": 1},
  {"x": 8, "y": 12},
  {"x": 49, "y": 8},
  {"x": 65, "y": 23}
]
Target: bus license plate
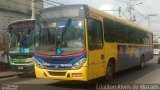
[{"x": 20, "y": 68}]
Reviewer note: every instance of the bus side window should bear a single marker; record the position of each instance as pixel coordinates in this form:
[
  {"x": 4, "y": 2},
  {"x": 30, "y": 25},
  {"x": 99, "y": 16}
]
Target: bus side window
[
  {"x": 94, "y": 34},
  {"x": 120, "y": 32},
  {"x": 109, "y": 32}
]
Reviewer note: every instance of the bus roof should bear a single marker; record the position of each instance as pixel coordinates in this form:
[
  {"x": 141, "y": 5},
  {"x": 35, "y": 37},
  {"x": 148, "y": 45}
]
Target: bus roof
[
  {"x": 71, "y": 5},
  {"x": 104, "y": 14},
  {"x": 118, "y": 19}
]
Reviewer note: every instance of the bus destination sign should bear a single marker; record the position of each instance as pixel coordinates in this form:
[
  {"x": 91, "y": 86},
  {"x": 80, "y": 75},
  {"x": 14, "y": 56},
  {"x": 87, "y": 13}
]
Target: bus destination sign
[{"x": 23, "y": 25}]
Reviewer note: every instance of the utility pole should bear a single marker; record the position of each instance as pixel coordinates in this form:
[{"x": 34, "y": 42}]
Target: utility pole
[
  {"x": 130, "y": 10},
  {"x": 33, "y": 9},
  {"x": 149, "y": 19},
  {"x": 119, "y": 9},
  {"x": 131, "y": 4}
]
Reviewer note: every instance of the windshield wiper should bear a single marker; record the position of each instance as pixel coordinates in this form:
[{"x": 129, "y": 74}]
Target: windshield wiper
[
  {"x": 45, "y": 22},
  {"x": 67, "y": 25},
  {"x": 59, "y": 42}
]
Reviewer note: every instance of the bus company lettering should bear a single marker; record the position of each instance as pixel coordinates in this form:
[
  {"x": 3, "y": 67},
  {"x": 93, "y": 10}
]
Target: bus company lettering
[
  {"x": 132, "y": 51},
  {"x": 66, "y": 65}
]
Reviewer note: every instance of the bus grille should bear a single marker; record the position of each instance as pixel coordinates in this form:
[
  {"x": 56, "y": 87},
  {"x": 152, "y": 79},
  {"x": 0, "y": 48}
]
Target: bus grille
[
  {"x": 22, "y": 62},
  {"x": 21, "y": 56},
  {"x": 57, "y": 73},
  {"x": 57, "y": 61}
]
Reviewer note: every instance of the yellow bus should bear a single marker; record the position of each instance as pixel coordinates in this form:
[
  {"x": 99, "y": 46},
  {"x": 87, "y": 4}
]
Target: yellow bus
[{"x": 79, "y": 42}]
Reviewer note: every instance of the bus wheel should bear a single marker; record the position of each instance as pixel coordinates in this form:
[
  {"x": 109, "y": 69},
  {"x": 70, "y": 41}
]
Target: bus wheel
[
  {"x": 109, "y": 71},
  {"x": 142, "y": 63}
]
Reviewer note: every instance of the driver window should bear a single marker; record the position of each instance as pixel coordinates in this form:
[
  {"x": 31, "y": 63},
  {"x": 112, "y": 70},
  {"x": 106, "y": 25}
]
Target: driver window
[{"x": 95, "y": 34}]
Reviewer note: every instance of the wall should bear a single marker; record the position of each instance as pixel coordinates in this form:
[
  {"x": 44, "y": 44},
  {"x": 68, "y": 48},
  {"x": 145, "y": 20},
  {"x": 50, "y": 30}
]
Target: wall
[{"x": 21, "y": 6}]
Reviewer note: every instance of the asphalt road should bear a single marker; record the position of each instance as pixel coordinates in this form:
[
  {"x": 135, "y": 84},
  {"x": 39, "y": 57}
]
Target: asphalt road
[{"x": 150, "y": 74}]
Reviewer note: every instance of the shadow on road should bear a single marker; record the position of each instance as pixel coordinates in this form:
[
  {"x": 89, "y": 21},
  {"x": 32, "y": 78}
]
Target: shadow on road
[
  {"x": 27, "y": 75},
  {"x": 129, "y": 76},
  {"x": 124, "y": 77}
]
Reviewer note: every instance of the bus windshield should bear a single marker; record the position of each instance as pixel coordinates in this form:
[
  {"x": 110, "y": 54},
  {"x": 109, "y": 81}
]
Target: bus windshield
[
  {"x": 60, "y": 37},
  {"x": 21, "y": 40}
]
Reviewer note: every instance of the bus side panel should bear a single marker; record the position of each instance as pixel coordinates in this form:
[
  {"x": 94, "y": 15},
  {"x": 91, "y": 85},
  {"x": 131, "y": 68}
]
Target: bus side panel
[
  {"x": 96, "y": 67},
  {"x": 96, "y": 56},
  {"x": 149, "y": 53},
  {"x": 110, "y": 52},
  {"x": 128, "y": 56}
]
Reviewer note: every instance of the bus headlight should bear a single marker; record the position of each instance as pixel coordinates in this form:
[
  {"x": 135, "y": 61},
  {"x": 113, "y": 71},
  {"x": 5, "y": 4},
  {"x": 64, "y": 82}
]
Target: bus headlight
[
  {"x": 46, "y": 64},
  {"x": 38, "y": 64},
  {"x": 11, "y": 62},
  {"x": 79, "y": 64},
  {"x": 29, "y": 59}
]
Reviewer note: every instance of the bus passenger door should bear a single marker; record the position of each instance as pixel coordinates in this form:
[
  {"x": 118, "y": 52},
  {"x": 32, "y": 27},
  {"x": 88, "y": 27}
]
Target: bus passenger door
[{"x": 95, "y": 48}]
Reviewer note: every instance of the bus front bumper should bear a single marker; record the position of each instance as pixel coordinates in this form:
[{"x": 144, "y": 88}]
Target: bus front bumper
[
  {"x": 22, "y": 68},
  {"x": 80, "y": 74}
]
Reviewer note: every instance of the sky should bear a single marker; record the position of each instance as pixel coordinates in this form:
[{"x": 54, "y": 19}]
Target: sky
[{"x": 141, "y": 9}]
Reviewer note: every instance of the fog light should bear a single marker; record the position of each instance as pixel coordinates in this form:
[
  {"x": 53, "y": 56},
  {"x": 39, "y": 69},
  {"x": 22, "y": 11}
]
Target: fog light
[
  {"x": 68, "y": 75},
  {"x": 77, "y": 75}
]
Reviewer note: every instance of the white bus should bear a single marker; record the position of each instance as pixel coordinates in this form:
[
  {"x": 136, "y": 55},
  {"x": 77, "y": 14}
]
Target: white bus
[
  {"x": 21, "y": 45},
  {"x": 156, "y": 49}
]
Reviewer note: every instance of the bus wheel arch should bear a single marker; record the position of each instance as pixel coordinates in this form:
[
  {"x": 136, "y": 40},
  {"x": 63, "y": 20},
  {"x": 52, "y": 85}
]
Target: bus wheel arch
[{"x": 110, "y": 69}]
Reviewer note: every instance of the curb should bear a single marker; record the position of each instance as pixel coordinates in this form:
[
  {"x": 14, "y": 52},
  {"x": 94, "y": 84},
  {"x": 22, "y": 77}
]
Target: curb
[
  {"x": 7, "y": 76},
  {"x": 12, "y": 75}
]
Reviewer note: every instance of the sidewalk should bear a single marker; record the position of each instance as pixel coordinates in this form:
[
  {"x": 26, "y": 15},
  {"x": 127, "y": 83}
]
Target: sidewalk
[{"x": 6, "y": 74}]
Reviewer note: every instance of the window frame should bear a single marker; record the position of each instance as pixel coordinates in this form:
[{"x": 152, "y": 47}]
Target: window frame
[
  {"x": 101, "y": 45},
  {"x": 107, "y": 30}
]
